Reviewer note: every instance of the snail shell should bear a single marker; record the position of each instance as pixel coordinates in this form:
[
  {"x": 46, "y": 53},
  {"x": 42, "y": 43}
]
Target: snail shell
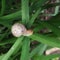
[{"x": 19, "y": 29}]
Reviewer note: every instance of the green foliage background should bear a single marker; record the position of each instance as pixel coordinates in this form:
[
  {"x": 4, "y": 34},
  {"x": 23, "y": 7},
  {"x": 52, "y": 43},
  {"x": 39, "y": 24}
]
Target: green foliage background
[{"x": 28, "y": 13}]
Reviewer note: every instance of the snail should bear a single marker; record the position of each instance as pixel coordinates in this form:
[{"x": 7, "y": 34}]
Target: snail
[{"x": 19, "y": 29}]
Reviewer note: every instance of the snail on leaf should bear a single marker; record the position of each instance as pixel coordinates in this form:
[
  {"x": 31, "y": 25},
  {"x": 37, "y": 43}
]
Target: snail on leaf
[{"x": 19, "y": 30}]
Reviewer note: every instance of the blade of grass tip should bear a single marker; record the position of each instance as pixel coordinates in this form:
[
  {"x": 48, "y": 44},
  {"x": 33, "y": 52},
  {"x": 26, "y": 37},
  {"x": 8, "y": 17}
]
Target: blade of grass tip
[
  {"x": 25, "y": 11},
  {"x": 25, "y": 49},
  {"x": 38, "y": 50},
  {"x": 51, "y": 41},
  {"x": 3, "y": 7},
  {"x": 13, "y": 48}
]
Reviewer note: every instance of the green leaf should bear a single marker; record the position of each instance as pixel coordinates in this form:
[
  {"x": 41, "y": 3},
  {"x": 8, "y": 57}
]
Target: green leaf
[
  {"x": 50, "y": 41},
  {"x": 25, "y": 49},
  {"x": 25, "y": 11}
]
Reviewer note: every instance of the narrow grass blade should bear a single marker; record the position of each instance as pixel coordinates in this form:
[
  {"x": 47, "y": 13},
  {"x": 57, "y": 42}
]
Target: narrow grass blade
[
  {"x": 25, "y": 11},
  {"x": 25, "y": 49}
]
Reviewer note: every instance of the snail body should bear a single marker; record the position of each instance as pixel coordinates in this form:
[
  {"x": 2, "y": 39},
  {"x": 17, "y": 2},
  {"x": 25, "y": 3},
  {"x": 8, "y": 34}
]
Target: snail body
[{"x": 19, "y": 29}]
